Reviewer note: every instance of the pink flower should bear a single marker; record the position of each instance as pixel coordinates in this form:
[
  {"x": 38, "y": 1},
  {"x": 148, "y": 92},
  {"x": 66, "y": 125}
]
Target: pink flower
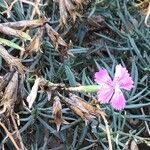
[{"x": 111, "y": 89}]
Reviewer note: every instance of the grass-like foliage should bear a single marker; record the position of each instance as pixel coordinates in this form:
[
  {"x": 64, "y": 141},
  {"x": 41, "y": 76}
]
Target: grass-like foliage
[{"x": 49, "y": 47}]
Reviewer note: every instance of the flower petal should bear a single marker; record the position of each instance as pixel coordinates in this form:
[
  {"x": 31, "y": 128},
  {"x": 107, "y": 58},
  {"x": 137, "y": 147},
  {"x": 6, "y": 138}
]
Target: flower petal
[
  {"x": 118, "y": 100},
  {"x": 102, "y": 77},
  {"x": 105, "y": 94},
  {"x": 122, "y": 78}
]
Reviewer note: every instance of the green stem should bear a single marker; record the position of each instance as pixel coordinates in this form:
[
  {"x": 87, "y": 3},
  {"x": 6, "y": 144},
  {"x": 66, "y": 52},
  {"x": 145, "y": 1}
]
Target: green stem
[{"x": 86, "y": 88}]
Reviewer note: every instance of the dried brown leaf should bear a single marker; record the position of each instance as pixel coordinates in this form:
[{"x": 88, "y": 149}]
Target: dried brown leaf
[
  {"x": 79, "y": 3},
  {"x": 5, "y": 80},
  {"x": 79, "y": 110},
  {"x": 91, "y": 109},
  {"x": 63, "y": 12},
  {"x": 33, "y": 93},
  {"x": 35, "y": 44},
  {"x": 57, "y": 112},
  {"x": 26, "y": 23},
  {"x": 12, "y": 61},
  {"x": 86, "y": 117},
  {"x": 80, "y": 107},
  {"x": 57, "y": 41},
  {"x": 14, "y": 32},
  {"x": 55, "y": 37},
  {"x": 72, "y": 9},
  {"x": 69, "y": 7},
  {"x": 10, "y": 95}
]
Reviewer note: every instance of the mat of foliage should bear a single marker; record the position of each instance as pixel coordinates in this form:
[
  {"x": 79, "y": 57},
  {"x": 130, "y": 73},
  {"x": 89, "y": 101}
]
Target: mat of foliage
[{"x": 47, "y": 47}]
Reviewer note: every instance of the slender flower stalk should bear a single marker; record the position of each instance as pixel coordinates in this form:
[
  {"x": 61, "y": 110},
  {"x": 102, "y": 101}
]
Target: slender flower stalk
[{"x": 86, "y": 88}]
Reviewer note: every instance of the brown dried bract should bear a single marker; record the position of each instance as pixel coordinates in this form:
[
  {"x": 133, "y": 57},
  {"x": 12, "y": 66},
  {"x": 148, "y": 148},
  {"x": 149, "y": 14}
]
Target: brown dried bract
[
  {"x": 57, "y": 112},
  {"x": 11, "y": 61},
  {"x": 57, "y": 41},
  {"x": 5, "y": 80},
  {"x": 14, "y": 32},
  {"x": 10, "y": 95},
  {"x": 35, "y": 44},
  {"x": 26, "y": 23},
  {"x": 69, "y": 7},
  {"x": 80, "y": 107}
]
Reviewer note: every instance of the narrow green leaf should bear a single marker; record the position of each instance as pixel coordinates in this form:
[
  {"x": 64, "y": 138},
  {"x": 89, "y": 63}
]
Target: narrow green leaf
[
  {"x": 132, "y": 106},
  {"x": 135, "y": 48},
  {"x": 88, "y": 147},
  {"x": 70, "y": 76},
  {"x": 10, "y": 44}
]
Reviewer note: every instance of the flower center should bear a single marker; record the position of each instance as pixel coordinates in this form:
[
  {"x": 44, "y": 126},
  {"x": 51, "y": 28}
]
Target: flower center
[{"x": 116, "y": 83}]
